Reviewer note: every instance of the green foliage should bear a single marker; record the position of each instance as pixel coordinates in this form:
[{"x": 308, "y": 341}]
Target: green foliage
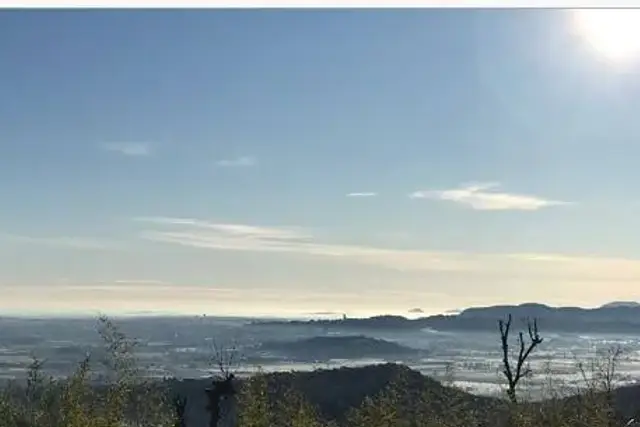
[
  {"x": 295, "y": 411},
  {"x": 253, "y": 403},
  {"x": 127, "y": 399},
  {"x": 387, "y": 409}
]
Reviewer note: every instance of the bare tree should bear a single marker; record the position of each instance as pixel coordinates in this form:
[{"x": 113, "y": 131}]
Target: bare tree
[
  {"x": 222, "y": 387},
  {"x": 224, "y": 358},
  {"x": 514, "y": 377},
  {"x": 604, "y": 377},
  {"x": 607, "y": 368}
]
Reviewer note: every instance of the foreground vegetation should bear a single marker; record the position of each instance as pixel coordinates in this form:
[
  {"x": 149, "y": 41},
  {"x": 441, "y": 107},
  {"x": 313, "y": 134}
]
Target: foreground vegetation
[{"x": 118, "y": 394}]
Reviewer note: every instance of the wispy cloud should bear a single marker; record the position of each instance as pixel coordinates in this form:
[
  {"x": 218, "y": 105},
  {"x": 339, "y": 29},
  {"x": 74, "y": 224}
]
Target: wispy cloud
[
  {"x": 112, "y": 284},
  {"x": 483, "y": 196},
  {"x": 362, "y": 194},
  {"x": 63, "y": 241},
  {"x": 240, "y": 237},
  {"x": 133, "y": 149},
  {"x": 142, "y": 282},
  {"x": 324, "y": 313},
  {"x": 290, "y": 240},
  {"x": 234, "y": 231},
  {"x": 244, "y": 161}
]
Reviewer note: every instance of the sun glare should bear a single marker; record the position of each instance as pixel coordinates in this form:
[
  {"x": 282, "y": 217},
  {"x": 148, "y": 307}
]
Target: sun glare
[{"x": 612, "y": 33}]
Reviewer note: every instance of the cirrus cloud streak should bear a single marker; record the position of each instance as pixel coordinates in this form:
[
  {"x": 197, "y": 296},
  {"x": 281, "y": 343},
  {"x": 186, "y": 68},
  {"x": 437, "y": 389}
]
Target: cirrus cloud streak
[
  {"x": 485, "y": 197},
  {"x": 295, "y": 241}
]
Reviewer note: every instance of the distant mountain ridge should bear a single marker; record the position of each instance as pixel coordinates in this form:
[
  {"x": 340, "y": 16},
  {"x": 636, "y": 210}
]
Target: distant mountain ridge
[
  {"x": 616, "y": 304},
  {"x": 617, "y": 316}
]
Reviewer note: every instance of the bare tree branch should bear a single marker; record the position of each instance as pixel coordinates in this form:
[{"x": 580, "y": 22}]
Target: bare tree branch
[
  {"x": 224, "y": 358},
  {"x": 524, "y": 351}
]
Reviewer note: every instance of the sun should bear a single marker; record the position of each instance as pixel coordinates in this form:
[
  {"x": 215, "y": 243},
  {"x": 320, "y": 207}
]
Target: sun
[{"x": 613, "y": 33}]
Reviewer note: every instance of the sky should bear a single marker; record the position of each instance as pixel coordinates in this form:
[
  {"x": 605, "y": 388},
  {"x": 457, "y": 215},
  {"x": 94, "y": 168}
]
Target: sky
[{"x": 299, "y": 162}]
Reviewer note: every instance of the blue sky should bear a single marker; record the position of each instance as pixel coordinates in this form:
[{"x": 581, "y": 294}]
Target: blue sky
[{"x": 211, "y": 162}]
